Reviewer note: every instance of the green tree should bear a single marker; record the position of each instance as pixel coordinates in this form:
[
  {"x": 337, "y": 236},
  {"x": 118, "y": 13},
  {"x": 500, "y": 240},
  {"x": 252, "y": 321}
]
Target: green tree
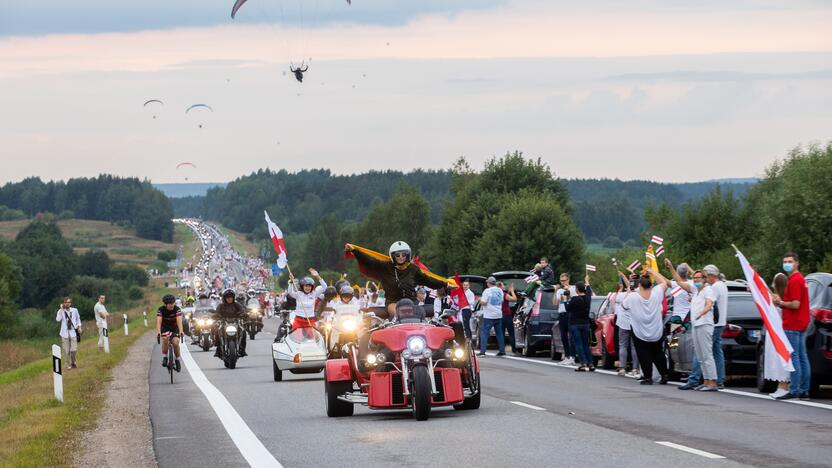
[
  {"x": 405, "y": 217},
  {"x": 324, "y": 247},
  {"x": 152, "y": 216},
  {"x": 525, "y": 228},
  {"x": 94, "y": 263},
  {"x": 46, "y": 260},
  {"x": 10, "y": 287}
]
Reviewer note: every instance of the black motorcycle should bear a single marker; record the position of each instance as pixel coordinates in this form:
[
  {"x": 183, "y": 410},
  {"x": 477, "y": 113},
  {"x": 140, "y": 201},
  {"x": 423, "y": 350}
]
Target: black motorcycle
[{"x": 229, "y": 335}]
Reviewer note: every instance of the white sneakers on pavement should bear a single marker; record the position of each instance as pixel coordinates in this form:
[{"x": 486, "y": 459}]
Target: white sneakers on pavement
[
  {"x": 779, "y": 392},
  {"x": 568, "y": 361}
]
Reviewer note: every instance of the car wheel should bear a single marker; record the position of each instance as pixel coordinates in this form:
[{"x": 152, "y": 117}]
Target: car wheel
[
  {"x": 607, "y": 362},
  {"x": 763, "y": 385},
  {"x": 278, "y": 374},
  {"x": 334, "y": 407},
  {"x": 553, "y": 351},
  {"x": 472, "y": 402},
  {"x": 672, "y": 374}
]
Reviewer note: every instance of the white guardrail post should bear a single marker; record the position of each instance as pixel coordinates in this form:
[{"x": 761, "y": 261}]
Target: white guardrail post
[
  {"x": 106, "y": 333},
  {"x": 57, "y": 377},
  {"x": 125, "y": 324},
  {"x": 145, "y": 318}
]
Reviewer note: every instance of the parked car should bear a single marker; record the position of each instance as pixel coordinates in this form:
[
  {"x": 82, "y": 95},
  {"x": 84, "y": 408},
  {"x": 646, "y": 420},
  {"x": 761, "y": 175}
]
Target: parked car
[
  {"x": 819, "y": 334},
  {"x": 515, "y": 278},
  {"x": 605, "y": 350},
  {"x": 533, "y": 322}
]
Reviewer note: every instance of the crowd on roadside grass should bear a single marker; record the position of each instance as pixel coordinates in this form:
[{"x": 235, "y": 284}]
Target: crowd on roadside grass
[{"x": 72, "y": 329}]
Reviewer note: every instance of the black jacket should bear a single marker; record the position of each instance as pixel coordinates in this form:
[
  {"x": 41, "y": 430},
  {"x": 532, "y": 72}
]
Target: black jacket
[
  {"x": 226, "y": 311},
  {"x": 547, "y": 276},
  {"x": 398, "y": 283},
  {"x": 578, "y": 308}
]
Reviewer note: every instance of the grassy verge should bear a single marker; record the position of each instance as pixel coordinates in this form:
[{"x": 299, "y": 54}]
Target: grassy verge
[
  {"x": 184, "y": 236},
  {"x": 239, "y": 242},
  {"x": 36, "y": 430}
]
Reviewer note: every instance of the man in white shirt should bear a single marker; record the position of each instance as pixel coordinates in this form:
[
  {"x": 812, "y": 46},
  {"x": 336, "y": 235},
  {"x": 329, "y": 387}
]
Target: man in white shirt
[
  {"x": 70, "y": 321},
  {"x": 568, "y": 354},
  {"x": 101, "y": 315},
  {"x": 492, "y": 316}
]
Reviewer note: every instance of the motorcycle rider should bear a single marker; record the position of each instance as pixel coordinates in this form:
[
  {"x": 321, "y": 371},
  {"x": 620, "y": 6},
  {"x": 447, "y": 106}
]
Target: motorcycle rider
[
  {"x": 397, "y": 274},
  {"x": 229, "y": 309},
  {"x": 169, "y": 320}
]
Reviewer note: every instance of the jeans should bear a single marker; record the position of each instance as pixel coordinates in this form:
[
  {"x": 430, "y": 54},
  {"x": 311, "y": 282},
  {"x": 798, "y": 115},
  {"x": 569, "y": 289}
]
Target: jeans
[
  {"x": 800, "y": 379},
  {"x": 487, "y": 325},
  {"x": 695, "y": 377},
  {"x": 579, "y": 334},
  {"x": 508, "y": 326},
  {"x": 466, "y": 322},
  {"x": 568, "y": 346}
]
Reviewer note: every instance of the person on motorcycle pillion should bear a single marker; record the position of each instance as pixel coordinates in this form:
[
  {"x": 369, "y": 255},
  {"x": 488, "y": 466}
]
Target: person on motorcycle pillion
[
  {"x": 169, "y": 320},
  {"x": 305, "y": 294},
  {"x": 398, "y": 276},
  {"x": 229, "y": 309},
  {"x": 408, "y": 312}
]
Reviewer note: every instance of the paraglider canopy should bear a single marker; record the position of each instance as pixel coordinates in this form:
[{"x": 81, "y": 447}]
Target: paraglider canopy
[
  {"x": 197, "y": 106},
  {"x": 153, "y": 101},
  {"x": 186, "y": 164}
]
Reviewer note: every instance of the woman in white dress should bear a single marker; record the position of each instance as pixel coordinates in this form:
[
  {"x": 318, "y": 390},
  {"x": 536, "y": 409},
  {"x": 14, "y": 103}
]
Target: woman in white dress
[{"x": 772, "y": 369}]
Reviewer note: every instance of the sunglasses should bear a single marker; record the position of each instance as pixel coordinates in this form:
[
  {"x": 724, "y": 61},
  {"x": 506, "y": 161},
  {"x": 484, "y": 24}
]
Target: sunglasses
[{"x": 400, "y": 254}]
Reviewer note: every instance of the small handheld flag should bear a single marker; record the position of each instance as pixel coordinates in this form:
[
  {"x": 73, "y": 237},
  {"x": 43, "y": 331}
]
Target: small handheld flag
[
  {"x": 659, "y": 251},
  {"x": 590, "y": 267},
  {"x": 634, "y": 265},
  {"x": 531, "y": 278},
  {"x": 657, "y": 240}
]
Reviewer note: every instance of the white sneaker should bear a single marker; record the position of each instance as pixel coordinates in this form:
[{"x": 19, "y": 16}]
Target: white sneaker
[
  {"x": 622, "y": 372},
  {"x": 570, "y": 361},
  {"x": 635, "y": 374},
  {"x": 778, "y": 393}
]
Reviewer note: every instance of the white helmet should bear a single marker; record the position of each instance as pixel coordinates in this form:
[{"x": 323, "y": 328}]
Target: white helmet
[{"x": 399, "y": 247}]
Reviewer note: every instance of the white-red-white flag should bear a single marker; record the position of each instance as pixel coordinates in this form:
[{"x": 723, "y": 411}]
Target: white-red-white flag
[
  {"x": 531, "y": 278},
  {"x": 277, "y": 241},
  {"x": 590, "y": 267},
  {"x": 634, "y": 265},
  {"x": 659, "y": 251},
  {"x": 768, "y": 312},
  {"x": 657, "y": 240}
]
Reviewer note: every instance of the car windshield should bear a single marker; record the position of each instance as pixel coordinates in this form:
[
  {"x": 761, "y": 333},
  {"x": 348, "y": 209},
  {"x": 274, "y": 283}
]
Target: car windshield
[
  {"x": 742, "y": 307},
  {"x": 301, "y": 335},
  {"x": 546, "y": 302},
  {"x": 518, "y": 283}
]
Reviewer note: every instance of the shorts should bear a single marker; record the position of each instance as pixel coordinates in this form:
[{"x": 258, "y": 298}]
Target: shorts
[{"x": 171, "y": 330}]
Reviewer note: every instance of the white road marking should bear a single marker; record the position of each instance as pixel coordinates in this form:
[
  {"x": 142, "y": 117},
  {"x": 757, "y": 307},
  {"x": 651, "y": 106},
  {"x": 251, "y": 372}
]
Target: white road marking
[
  {"x": 249, "y": 445},
  {"x": 694, "y": 451},
  {"x": 812, "y": 404},
  {"x": 170, "y": 437},
  {"x": 526, "y": 405}
]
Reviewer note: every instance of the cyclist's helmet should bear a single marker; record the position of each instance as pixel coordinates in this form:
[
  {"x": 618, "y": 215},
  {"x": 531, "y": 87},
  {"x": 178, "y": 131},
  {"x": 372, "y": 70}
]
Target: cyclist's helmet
[{"x": 168, "y": 299}]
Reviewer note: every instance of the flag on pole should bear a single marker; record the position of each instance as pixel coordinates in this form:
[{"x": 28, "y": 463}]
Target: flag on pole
[
  {"x": 657, "y": 240},
  {"x": 277, "y": 241},
  {"x": 590, "y": 267},
  {"x": 459, "y": 294},
  {"x": 634, "y": 265},
  {"x": 531, "y": 279},
  {"x": 768, "y": 312},
  {"x": 660, "y": 251}
]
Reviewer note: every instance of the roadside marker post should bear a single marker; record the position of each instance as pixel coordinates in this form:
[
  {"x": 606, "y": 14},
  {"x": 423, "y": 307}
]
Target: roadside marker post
[
  {"x": 106, "y": 333},
  {"x": 125, "y": 324},
  {"x": 145, "y": 318},
  {"x": 57, "y": 376}
]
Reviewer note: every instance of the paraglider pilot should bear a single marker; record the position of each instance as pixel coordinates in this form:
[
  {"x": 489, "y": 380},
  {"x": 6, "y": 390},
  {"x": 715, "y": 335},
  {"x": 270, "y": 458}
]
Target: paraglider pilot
[{"x": 299, "y": 71}]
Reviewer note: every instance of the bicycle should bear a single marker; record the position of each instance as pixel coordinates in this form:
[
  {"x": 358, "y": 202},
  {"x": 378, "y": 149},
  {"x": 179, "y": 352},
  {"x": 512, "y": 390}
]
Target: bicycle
[{"x": 171, "y": 354}]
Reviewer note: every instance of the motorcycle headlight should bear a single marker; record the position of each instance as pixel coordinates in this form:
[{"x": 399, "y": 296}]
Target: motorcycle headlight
[
  {"x": 416, "y": 344},
  {"x": 231, "y": 330},
  {"x": 381, "y": 357},
  {"x": 209, "y": 321},
  {"x": 350, "y": 325},
  {"x": 459, "y": 353},
  {"x": 372, "y": 359},
  {"x": 200, "y": 322}
]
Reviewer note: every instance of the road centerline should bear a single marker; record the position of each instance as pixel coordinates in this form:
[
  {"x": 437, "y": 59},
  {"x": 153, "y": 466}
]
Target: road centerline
[
  {"x": 692, "y": 450},
  {"x": 526, "y": 405},
  {"x": 250, "y": 447}
]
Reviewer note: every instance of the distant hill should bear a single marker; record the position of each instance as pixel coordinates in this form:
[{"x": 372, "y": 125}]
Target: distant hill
[{"x": 188, "y": 189}]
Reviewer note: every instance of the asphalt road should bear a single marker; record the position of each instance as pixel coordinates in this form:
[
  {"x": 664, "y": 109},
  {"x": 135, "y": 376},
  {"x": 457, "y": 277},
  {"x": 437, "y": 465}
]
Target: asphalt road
[{"x": 533, "y": 414}]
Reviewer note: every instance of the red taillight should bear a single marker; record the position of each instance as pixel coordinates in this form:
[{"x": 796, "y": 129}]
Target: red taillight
[
  {"x": 823, "y": 316},
  {"x": 535, "y": 310},
  {"x": 731, "y": 331}
]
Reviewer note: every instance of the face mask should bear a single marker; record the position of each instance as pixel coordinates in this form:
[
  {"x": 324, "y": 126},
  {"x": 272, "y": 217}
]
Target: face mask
[
  {"x": 788, "y": 267},
  {"x": 698, "y": 284}
]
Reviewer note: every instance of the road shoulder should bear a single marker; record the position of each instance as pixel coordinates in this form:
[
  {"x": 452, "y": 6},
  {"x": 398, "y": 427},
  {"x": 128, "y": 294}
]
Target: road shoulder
[{"x": 123, "y": 435}]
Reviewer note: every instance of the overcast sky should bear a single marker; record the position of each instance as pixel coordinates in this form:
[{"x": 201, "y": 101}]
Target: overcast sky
[{"x": 669, "y": 90}]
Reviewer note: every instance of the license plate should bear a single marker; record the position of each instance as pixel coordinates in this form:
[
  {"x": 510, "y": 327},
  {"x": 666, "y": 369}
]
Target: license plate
[{"x": 755, "y": 334}]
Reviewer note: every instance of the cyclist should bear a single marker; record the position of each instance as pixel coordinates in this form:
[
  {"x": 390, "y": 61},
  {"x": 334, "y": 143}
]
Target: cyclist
[{"x": 169, "y": 327}]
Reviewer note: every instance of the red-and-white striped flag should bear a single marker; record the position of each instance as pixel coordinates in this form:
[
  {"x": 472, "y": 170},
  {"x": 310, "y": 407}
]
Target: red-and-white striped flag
[
  {"x": 590, "y": 267},
  {"x": 531, "y": 278},
  {"x": 277, "y": 241},
  {"x": 657, "y": 240},
  {"x": 634, "y": 265},
  {"x": 771, "y": 319},
  {"x": 650, "y": 255},
  {"x": 659, "y": 251}
]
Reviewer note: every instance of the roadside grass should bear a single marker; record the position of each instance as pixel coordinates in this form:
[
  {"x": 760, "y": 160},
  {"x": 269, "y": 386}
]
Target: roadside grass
[
  {"x": 120, "y": 243},
  {"x": 239, "y": 241},
  {"x": 15, "y": 353},
  {"x": 36, "y": 430},
  {"x": 184, "y": 236}
]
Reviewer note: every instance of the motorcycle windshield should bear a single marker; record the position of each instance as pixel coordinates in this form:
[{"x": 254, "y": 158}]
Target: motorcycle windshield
[{"x": 306, "y": 334}]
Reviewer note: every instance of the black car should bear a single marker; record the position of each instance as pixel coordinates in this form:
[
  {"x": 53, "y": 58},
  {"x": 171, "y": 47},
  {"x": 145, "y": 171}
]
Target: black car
[
  {"x": 534, "y": 320},
  {"x": 819, "y": 333},
  {"x": 510, "y": 278}
]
